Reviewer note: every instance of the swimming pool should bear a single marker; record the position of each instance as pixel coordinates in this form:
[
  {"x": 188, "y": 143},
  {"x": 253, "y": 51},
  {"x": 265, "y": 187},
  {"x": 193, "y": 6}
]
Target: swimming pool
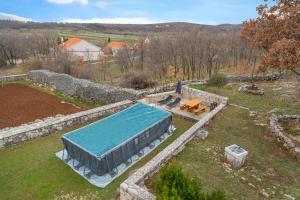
[{"x": 105, "y": 144}]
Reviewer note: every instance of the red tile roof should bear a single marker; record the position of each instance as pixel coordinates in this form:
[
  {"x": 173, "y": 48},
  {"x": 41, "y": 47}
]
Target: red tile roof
[
  {"x": 71, "y": 42},
  {"x": 117, "y": 45}
]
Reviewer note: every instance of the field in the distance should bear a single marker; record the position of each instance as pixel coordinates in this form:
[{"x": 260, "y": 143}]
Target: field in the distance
[{"x": 101, "y": 39}]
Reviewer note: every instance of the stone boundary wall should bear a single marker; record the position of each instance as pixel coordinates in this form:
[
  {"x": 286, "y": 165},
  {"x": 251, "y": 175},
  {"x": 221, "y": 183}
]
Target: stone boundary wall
[
  {"x": 10, "y": 136},
  {"x": 268, "y": 77},
  {"x": 16, "y": 77},
  {"x": 81, "y": 88},
  {"x": 205, "y": 96},
  {"x": 133, "y": 187},
  {"x": 170, "y": 87},
  {"x": 277, "y": 130}
]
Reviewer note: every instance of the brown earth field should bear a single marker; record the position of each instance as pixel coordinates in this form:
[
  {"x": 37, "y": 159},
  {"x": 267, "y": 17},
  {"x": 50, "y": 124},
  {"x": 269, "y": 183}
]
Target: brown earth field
[{"x": 21, "y": 104}]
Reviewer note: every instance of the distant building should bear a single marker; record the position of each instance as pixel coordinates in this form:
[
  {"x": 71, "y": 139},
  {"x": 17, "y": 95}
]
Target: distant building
[
  {"x": 116, "y": 46},
  {"x": 106, "y": 51},
  {"x": 82, "y": 48}
]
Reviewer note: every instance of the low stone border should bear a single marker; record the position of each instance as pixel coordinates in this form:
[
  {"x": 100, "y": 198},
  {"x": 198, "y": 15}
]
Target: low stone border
[
  {"x": 247, "y": 89},
  {"x": 17, "y": 77},
  {"x": 277, "y": 129},
  {"x": 268, "y": 77},
  {"x": 132, "y": 188},
  {"x": 10, "y": 136}
]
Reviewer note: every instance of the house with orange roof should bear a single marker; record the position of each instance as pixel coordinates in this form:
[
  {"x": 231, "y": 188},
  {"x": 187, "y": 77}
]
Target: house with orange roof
[
  {"x": 82, "y": 49},
  {"x": 116, "y": 46}
]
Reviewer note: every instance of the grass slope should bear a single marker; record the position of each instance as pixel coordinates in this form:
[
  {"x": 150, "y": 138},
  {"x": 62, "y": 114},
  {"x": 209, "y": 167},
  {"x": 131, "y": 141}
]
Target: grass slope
[
  {"x": 30, "y": 170},
  {"x": 268, "y": 168}
]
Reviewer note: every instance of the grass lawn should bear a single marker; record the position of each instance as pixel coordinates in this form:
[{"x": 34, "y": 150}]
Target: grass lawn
[
  {"x": 30, "y": 170},
  {"x": 268, "y": 168}
]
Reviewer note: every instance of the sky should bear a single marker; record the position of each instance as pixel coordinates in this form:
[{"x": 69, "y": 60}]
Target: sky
[{"x": 211, "y": 12}]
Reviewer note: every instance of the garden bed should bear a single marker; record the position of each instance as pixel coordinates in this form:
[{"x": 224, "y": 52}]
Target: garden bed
[{"x": 22, "y": 104}]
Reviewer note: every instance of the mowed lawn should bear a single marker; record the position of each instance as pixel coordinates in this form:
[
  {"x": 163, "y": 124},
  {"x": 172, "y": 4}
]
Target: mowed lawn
[
  {"x": 31, "y": 170},
  {"x": 269, "y": 169}
]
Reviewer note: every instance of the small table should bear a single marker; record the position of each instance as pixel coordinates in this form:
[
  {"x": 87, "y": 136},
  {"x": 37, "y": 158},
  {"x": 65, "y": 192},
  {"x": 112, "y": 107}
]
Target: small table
[{"x": 193, "y": 103}]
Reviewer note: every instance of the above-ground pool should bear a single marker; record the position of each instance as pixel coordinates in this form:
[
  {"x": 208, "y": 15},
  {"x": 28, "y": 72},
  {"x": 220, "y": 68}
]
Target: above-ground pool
[{"x": 107, "y": 143}]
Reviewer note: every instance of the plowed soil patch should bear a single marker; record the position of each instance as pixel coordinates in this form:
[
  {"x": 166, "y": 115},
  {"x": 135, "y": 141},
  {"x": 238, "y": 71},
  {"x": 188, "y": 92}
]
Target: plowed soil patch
[{"x": 21, "y": 104}]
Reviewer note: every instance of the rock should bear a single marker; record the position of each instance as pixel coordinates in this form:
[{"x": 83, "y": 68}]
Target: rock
[
  {"x": 297, "y": 152},
  {"x": 251, "y": 185},
  {"x": 253, "y": 113},
  {"x": 202, "y": 134},
  {"x": 274, "y": 110},
  {"x": 265, "y": 194},
  {"x": 289, "y": 197}
]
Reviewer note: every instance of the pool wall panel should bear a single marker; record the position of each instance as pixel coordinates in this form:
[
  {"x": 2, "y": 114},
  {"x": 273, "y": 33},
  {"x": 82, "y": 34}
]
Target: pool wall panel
[{"x": 120, "y": 154}]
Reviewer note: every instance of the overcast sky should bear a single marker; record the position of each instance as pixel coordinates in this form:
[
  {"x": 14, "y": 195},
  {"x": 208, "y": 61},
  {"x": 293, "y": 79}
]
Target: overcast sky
[{"x": 131, "y": 11}]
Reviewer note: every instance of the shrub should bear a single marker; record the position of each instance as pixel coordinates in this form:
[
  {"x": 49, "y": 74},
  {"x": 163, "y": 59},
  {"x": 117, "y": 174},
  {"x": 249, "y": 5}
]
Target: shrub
[
  {"x": 137, "y": 81},
  {"x": 174, "y": 185},
  {"x": 218, "y": 80}
]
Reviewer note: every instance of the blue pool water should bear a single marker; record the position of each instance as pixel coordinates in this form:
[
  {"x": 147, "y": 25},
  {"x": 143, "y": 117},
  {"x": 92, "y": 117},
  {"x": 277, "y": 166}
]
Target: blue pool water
[{"x": 105, "y": 134}]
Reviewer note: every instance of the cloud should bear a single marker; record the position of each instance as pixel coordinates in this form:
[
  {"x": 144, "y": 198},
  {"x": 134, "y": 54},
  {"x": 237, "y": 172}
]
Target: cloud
[
  {"x": 120, "y": 20},
  {"x": 101, "y": 4},
  {"x": 68, "y": 1},
  {"x": 7, "y": 16}
]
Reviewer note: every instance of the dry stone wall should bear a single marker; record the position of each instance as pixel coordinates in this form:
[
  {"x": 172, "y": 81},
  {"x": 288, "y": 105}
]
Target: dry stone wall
[
  {"x": 10, "y": 136},
  {"x": 83, "y": 89},
  {"x": 268, "y": 77},
  {"x": 204, "y": 96},
  {"x": 277, "y": 130},
  {"x": 132, "y": 188}
]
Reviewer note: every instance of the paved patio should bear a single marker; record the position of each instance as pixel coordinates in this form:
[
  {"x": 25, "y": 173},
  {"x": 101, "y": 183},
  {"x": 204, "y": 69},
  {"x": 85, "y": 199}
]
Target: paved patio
[{"x": 153, "y": 99}]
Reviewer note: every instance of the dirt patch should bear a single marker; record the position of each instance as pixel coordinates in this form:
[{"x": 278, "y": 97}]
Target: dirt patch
[{"x": 22, "y": 104}]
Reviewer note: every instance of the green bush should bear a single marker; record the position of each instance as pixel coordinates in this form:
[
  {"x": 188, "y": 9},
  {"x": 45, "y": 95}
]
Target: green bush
[
  {"x": 174, "y": 185},
  {"x": 218, "y": 80}
]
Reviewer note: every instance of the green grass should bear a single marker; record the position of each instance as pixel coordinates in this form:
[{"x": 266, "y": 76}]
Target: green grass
[
  {"x": 101, "y": 38},
  {"x": 204, "y": 160},
  {"x": 30, "y": 170}
]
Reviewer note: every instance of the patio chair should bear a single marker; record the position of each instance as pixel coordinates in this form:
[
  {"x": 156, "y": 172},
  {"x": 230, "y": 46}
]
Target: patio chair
[
  {"x": 174, "y": 103},
  {"x": 166, "y": 100},
  {"x": 213, "y": 106}
]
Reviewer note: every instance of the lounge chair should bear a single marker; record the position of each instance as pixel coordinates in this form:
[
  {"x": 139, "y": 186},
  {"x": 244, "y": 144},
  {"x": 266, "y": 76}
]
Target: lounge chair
[
  {"x": 166, "y": 100},
  {"x": 174, "y": 103}
]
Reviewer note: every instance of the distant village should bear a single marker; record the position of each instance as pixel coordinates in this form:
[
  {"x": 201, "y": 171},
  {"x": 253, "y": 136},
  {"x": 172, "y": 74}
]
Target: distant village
[{"x": 82, "y": 49}]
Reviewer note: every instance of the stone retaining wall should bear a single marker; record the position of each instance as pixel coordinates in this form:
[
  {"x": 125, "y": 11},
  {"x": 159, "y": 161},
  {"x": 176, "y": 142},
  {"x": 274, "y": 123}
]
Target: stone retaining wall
[
  {"x": 204, "y": 96},
  {"x": 170, "y": 87},
  {"x": 83, "y": 89},
  {"x": 133, "y": 187},
  {"x": 10, "y": 136},
  {"x": 277, "y": 130},
  {"x": 17, "y": 77}
]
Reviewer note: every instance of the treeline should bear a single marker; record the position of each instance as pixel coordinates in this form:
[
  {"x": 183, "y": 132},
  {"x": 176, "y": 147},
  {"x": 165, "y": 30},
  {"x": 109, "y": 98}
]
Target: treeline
[
  {"x": 132, "y": 29},
  {"x": 15, "y": 46},
  {"x": 196, "y": 54}
]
